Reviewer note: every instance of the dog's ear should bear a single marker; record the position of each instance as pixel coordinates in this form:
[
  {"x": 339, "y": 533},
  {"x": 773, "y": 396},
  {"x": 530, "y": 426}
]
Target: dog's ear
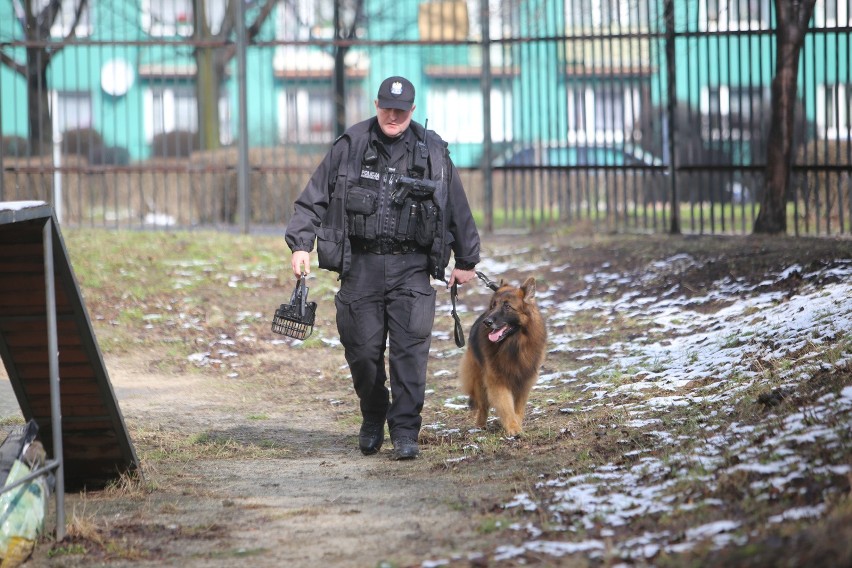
[{"x": 529, "y": 288}]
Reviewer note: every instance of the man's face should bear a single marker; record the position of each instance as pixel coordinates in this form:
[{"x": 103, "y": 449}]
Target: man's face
[{"x": 393, "y": 122}]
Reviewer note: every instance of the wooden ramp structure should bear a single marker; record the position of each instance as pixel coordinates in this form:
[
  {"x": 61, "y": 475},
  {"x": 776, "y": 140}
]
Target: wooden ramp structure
[{"x": 51, "y": 355}]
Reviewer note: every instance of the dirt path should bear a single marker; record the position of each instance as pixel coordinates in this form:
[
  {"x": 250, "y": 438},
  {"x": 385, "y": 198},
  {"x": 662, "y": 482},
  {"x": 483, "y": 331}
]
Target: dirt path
[{"x": 321, "y": 504}]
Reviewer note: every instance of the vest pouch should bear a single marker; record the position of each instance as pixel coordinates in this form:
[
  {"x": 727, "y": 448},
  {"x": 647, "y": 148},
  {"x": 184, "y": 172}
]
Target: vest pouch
[
  {"x": 361, "y": 218},
  {"x": 361, "y": 201},
  {"x": 427, "y": 223},
  {"x": 406, "y": 226},
  {"x": 331, "y": 232},
  {"x": 330, "y": 248}
]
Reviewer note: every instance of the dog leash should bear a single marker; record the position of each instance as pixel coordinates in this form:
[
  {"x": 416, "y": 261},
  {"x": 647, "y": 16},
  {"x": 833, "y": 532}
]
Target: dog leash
[
  {"x": 458, "y": 330},
  {"x": 490, "y": 283}
]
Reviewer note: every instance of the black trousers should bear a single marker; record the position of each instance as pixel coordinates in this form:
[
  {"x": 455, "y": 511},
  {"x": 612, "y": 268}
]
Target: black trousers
[{"x": 388, "y": 301}]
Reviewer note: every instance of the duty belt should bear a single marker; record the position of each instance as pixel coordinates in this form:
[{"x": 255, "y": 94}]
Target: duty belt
[{"x": 385, "y": 246}]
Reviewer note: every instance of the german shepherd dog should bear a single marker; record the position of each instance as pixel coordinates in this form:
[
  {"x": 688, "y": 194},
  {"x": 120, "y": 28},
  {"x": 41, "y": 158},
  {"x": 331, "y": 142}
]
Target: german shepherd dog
[{"x": 506, "y": 349}]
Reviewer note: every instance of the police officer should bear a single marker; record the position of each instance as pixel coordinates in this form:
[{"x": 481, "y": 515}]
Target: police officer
[{"x": 386, "y": 207}]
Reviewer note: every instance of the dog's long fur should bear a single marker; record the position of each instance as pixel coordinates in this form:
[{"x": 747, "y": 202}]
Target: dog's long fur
[{"x": 506, "y": 348}]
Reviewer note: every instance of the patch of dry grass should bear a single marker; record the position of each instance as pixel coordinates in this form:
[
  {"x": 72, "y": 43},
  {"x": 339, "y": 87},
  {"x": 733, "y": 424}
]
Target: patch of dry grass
[{"x": 592, "y": 418}]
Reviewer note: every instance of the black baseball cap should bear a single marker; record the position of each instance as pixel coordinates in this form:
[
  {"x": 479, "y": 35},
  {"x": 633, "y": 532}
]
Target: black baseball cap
[{"x": 396, "y": 92}]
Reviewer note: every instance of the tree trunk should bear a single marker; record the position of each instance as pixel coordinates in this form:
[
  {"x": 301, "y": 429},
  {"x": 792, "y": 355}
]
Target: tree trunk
[
  {"x": 339, "y": 74},
  {"x": 339, "y": 90},
  {"x": 207, "y": 97},
  {"x": 207, "y": 81},
  {"x": 38, "y": 115},
  {"x": 792, "y": 22}
]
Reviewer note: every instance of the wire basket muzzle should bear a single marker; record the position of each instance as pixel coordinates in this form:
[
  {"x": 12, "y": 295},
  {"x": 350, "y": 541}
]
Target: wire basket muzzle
[
  {"x": 288, "y": 321},
  {"x": 296, "y": 319}
]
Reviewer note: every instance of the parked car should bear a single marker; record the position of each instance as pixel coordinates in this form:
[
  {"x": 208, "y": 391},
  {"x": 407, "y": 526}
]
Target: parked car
[
  {"x": 598, "y": 169},
  {"x": 593, "y": 155}
]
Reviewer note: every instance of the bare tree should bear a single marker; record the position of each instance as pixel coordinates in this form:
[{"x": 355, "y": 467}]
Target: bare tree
[
  {"x": 213, "y": 53},
  {"x": 36, "y": 24},
  {"x": 342, "y": 34},
  {"x": 792, "y": 17}
]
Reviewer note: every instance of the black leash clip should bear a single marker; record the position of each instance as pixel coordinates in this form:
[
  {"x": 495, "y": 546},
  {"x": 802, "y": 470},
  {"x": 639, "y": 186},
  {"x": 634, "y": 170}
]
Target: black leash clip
[{"x": 490, "y": 283}]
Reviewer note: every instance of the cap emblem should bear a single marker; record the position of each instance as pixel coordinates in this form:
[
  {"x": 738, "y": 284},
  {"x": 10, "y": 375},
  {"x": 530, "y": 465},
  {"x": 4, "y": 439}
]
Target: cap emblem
[{"x": 396, "y": 88}]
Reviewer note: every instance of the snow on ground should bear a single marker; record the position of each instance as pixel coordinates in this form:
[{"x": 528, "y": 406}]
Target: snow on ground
[{"x": 707, "y": 360}]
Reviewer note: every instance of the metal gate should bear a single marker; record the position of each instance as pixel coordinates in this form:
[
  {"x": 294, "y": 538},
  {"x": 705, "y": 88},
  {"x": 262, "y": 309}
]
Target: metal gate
[{"x": 155, "y": 113}]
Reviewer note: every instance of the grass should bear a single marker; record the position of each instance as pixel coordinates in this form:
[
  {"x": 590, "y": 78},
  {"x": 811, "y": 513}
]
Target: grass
[
  {"x": 702, "y": 218},
  {"x": 202, "y": 287},
  {"x": 88, "y": 536},
  {"x": 161, "y": 446},
  {"x": 180, "y": 293},
  {"x": 11, "y": 421}
]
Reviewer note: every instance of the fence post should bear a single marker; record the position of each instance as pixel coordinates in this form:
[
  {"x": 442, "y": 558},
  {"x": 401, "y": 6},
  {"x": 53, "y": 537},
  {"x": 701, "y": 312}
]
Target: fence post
[
  {"x": 487, "y": 174},
  {"x": 671, "y": 104},
  {"x": 2, "y": 151},
  {"x": 242, "y": 141},
  {"x": 53, "y": 368}
]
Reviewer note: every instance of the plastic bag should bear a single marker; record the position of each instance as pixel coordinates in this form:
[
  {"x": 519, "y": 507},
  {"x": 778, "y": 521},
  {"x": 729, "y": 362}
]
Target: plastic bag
[{"x": 22, "y": 514}]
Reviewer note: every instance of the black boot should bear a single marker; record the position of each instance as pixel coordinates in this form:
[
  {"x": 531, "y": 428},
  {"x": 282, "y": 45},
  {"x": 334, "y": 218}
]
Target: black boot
[
  {"x": 405, "y": 448},
  {"x": 371, "y": 437}
]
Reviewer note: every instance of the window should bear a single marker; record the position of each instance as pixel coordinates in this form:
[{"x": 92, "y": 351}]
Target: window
[
  {"x": 174, "y": 108},
  {"x": 176, "y": 17},
  {"x": 170, "y": 109},
  {"x": 834, "y": 110},
  {"x": 303, "y": 22},
  {"x": 306, "y": 116},
  {"x": 500, "y": 18},
  {"x": 456, "y": 122},
  {"x": 70, "y": 111},
  {"x": 733, "y": 113},
  {"x": 633, "y": 14},
  {"x": 832, "y": 13},
  {"x": 602, "y": 113},
  {"x": 64, "y": 18},
  {"x": 733, "y": 15},
  {"x": 501, "y": 15}
]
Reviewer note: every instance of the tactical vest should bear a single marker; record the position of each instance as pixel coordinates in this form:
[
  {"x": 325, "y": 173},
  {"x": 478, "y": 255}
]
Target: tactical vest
[
  {"x": 390, "y": 204},
  {"x": 356, "y": 198}
]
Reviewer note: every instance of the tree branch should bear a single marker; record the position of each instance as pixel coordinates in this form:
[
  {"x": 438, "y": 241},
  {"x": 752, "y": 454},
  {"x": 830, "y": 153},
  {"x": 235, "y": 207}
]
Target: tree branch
[
  {"x": 251, "y": 32},
  {"x": 78, "y": 15},
  {"x": 9, "y": 62},
  {"x": 46, "y": 17},
  {"x": 359, "y": 16},
  {"x": 264, "y": 14}
]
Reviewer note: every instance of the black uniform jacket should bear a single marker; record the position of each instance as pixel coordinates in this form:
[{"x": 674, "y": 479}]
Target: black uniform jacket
[{"x": 319, "y": 209}]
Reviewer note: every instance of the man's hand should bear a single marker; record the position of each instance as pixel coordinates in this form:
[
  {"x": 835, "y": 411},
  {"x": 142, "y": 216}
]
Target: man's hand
[
  {"x": 299, "y": 259},
  {"x": 460, "y": 277}
]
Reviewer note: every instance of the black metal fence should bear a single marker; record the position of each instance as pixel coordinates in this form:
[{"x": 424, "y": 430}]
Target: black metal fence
[{"x": 606, "y": 114}]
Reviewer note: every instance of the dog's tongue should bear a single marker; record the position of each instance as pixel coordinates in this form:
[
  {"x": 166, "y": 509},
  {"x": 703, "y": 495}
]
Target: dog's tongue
[{"x": 497, "y": 334}]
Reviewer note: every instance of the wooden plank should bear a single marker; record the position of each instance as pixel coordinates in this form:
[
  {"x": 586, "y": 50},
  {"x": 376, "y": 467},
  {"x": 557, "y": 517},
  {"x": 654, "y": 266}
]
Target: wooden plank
[
  {"x": 66, "y": 386},
  {"x": 31, "y": 338},
  {"x": 23, "y": 283},
  {"x": 77, "y": 423},
  {"x": 32, "y": 297},
  {"x": 87, "y": 407},
  {"x": 22, "y": 248},
  {"x": 10, "y": 326},
  {"x": 33, "y": 355},
  {"x": 33, "y": 372}
]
